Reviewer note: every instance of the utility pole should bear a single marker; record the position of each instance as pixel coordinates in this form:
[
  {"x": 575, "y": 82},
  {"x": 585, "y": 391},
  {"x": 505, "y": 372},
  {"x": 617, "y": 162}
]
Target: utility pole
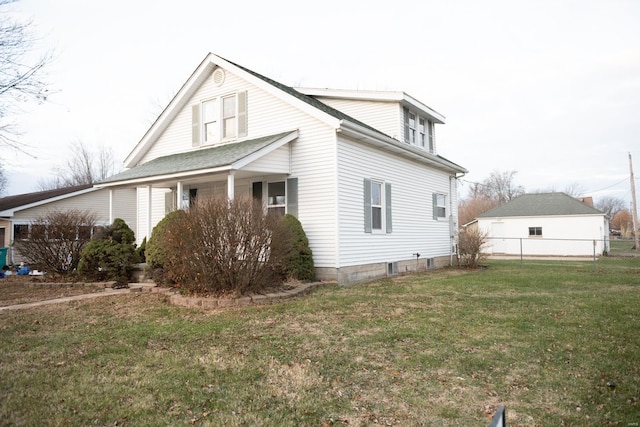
[{"x": 635, "y": 207}]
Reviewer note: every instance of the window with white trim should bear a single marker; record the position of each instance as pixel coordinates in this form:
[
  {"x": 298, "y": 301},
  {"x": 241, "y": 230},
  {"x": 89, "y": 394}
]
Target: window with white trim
[
  {"x": 418, "y": 131},
  {"x": 219, "y": 119},
  {"x": 422, "y": 132},
  {"x": 412, "y": 128},
  {"x": 229, "y": 113},
  {"x": 439, "y": 206},
  {"x": 377, "y": 206},
  {"x": 276, "y": 197}
]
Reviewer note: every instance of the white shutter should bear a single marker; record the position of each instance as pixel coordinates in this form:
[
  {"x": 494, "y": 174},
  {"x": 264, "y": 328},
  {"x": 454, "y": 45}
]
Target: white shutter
[{"x": 195, "y": 125}]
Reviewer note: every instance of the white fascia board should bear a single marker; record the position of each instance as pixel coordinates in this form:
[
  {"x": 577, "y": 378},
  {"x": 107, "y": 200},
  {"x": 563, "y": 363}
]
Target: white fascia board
[
  {"x": 12, "y": 211},
  {"x": 178, "y": 176},
  {"x": 376, "y": 95},
  {"x": 390, "y": 144}
]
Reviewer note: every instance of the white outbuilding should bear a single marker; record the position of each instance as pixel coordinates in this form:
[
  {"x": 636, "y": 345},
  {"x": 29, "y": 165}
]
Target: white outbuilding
[{"x": 545, "y": 224}]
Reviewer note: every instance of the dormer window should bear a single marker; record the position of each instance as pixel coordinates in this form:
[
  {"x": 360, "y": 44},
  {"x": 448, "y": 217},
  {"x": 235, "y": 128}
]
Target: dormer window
[
  {"x": 418, "y": 130},
  {"x": 219, "y": 119},
  {"x": 412, "y": 128}
]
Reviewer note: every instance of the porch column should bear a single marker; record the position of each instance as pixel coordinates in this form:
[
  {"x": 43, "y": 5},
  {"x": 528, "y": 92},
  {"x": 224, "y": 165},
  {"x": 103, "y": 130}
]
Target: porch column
[
  {"x": 149, "y": 209},
  {"x": 179, "y": 190},
  {"x": 111, "y": 206},
  {"x": 231, "y": 185}
]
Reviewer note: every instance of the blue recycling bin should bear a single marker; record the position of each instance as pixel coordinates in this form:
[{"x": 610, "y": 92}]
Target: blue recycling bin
[{"x": 3, "y": 257}]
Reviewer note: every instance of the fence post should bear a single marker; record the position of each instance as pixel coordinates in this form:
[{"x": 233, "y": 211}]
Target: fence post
[
  {"x": 594, "y": 256},
  {"x": 521, "y": 257}
]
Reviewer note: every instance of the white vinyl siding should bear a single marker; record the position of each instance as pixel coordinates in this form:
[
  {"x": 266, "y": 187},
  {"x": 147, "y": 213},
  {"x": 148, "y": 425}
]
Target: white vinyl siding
[
  {"x": 382, "y": 116},
  {"x": 181, "y": 133},
  {"x": 96, "y": 201},
  {"x": 574, "y": 234},
  {"x": 412, "y": 184}
]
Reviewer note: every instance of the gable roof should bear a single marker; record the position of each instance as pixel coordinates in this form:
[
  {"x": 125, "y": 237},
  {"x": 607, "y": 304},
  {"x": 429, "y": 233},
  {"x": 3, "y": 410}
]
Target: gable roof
[
  {"x": 226, "y": 156},
  {"x": 541, "y": 204},
  {"x": 9, "y": 204},
  {"x": 309, "y": 104}
]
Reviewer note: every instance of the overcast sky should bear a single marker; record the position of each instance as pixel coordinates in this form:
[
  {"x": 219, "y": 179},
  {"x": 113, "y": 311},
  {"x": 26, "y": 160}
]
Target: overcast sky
[{"x": 547, "y": 88}]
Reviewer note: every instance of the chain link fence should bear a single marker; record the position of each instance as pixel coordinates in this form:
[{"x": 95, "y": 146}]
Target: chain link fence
[{"x": 596, "y": 251}]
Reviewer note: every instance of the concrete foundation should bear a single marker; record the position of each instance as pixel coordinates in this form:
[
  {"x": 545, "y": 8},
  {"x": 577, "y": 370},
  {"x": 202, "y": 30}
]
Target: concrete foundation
[{"x": 365, "y": 272}]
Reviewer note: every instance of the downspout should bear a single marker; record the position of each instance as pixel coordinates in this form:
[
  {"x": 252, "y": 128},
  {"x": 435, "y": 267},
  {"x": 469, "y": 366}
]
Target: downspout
[{"x": 453, "y": 226}]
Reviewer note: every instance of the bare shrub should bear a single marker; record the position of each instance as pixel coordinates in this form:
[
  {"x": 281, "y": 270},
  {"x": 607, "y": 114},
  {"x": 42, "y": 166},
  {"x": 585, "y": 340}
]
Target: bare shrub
[
  {"x": 226, "y": 247},
  {"x": 471, "y": 242},
  {"x": 56, "y": 240}
]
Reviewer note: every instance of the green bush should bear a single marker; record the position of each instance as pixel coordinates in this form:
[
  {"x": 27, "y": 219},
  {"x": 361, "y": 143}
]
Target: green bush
[
  {"x": 155, "y": 251},
  {"x": 300, "y": 266},
  {"x": 111, "y": 255},
  {"x": 141, "y": 251}
]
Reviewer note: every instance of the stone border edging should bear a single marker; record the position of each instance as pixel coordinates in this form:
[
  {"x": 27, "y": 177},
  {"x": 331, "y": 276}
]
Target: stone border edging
[{"x": 213, "y": 303}]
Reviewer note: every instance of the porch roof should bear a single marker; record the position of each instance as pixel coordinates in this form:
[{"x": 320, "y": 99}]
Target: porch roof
[{"x": 227, "y": 156}]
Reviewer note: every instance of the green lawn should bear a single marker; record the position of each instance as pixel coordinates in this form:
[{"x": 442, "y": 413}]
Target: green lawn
[{"x": 556, "y": 342}]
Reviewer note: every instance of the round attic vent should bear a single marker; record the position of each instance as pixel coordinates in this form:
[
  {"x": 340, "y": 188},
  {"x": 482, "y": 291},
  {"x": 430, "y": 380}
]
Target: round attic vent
[{"x": 218, "y": 76}]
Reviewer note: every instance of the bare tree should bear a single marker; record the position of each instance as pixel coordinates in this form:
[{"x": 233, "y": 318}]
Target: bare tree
[
  {"x": 610, "y": 205},
  {"x": 3, "y": 181},
  {"x": 497, "y": 189},
  {"x": 20, "y": 76},
  {"x": 56, "y": 239},
  {"x": 501, "y": 186},
  {"x": 83, "y": 167}
]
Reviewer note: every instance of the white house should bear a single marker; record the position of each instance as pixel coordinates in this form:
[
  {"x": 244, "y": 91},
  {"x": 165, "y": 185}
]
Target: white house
[
  {"x": 545, "y": 224},
  {"x": 19, "y": 211},
  {"x": 359, "y": 169}
]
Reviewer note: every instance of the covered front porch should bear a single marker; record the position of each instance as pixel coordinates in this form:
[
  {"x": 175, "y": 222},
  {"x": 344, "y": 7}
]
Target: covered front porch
[{"x": 258, "y": 168}]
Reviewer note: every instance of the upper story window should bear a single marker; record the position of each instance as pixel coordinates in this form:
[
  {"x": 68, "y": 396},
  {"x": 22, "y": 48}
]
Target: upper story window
[
  {"x": 418, "y": 130},
  {"x": 422, "y": 129},
  {"x": 229, "y": 114},
  {"x": 412, "y": 128},
  {"x": 219, "y": 119}
]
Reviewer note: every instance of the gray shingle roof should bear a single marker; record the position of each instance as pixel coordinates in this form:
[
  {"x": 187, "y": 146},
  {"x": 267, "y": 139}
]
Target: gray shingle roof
[
  {"x": 11, "y": 202},
  {"x": 319, "y": 104},
  {"x": 207, "y": 158},
  {"x": 543, "y": 204}
]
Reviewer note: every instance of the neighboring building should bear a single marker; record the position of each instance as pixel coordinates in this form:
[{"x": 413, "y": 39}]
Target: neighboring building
[
  {"x": 19, "y": 211},
  {"x": 545, "y": 224},
  {"x": 359, "y": 169}
]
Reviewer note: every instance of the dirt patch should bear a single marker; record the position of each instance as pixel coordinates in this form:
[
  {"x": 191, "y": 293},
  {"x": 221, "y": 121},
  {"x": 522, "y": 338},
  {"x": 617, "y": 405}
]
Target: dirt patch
[{"x": 26, "y": 289}]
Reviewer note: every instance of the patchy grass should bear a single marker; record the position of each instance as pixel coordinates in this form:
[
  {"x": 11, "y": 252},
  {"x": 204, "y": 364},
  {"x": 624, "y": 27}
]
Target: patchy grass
[{"x": 555, "y": 342}]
